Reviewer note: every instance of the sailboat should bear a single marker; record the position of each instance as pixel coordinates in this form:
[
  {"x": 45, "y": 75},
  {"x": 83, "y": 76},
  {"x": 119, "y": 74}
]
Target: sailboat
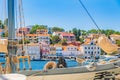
[{"x": 12, "y": 59}]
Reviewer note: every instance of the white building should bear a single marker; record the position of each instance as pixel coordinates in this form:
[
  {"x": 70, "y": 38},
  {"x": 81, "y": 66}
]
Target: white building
[
  {"x": 71, "y": 51},
  {"x": 90, "y": 50},
  {"x": 44, "y": 38},
  {"x": 33, "y": 50},
  {"x": 59, "y": 50}
]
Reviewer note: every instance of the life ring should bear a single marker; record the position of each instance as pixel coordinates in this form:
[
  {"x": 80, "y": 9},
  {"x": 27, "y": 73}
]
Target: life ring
[{"x": 50, "y": 65}]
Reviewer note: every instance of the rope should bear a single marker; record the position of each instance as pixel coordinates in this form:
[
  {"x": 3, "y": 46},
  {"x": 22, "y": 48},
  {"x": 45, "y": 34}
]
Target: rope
[
  {"x": 89, "y": 15},
  {"x": 21, "y": 22}
]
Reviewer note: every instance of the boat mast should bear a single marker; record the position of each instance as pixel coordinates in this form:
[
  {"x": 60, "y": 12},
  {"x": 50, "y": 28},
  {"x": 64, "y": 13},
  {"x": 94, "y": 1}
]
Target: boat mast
[
  {"x": 11, "y": 32},
  {"x": 11, "y": 19}
]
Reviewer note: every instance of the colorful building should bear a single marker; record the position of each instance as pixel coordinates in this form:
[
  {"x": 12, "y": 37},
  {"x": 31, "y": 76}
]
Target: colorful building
[
  {"x": 58, "y": 50},
  {"x": 43, "y": 38},
  {"x": 52, "y": 50},
  {"x": 65, "y": 35},
  {"x": 45, "y": 49},
  {"x": 41, "y": 31},
  {"x": 71, "y": 51},
  {"x": 24, "y": 30},
  {"x": 33, "y": 50},
  {"x": 90, "y": 49}
]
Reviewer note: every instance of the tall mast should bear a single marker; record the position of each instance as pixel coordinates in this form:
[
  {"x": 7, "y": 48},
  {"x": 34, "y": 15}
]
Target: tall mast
[
  {"x": 11, "y": 19},
  {"x": 11, "y": 32}
]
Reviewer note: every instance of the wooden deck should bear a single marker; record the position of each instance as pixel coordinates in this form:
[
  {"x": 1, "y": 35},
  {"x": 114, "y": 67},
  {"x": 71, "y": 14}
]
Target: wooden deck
[{"x": 77, "y": 76}]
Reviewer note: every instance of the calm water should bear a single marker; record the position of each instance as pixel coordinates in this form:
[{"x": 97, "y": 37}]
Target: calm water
[{"x": 39, "y": 65}]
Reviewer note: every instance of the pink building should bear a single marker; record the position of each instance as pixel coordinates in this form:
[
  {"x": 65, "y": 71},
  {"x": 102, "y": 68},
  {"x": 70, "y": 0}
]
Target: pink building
[
  {"x": 25, "y": 30},
  {"x": 65, "y": 35},
  {"x": 45, "y": 49}
]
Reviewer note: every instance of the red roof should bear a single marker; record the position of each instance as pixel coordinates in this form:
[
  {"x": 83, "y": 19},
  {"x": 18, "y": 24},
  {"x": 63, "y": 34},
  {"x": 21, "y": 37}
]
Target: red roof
[{"x": 66, "y": 34}]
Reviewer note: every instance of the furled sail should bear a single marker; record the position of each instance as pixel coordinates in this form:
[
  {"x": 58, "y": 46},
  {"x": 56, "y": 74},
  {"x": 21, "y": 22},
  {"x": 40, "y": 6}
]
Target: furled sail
[
  {"x": 106, "y": 45},
  {"x": 3, "y": 45}
]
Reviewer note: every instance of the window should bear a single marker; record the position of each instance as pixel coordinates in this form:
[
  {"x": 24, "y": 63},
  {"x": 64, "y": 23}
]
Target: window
[
  {"x": 98, "y": 52},
  {"x": 94, "y": 47},
  {"x": 85, "y": 47},
  {"x": 85, "y": 52},
  {"x": 91, "y": 52},
  {"x": 91, "y": 47},
  {"x": 88, "y": 47},
  {"x": 98, "y": 48}
]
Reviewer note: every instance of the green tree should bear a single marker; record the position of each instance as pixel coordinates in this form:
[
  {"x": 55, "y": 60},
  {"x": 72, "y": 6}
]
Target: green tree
[
  {"x": 35, "y": 27},
  {"x": 25, "y": 41},
  {"x": 64, "y": 42},
  {"x": 54, "y": 29},
  {"x": 75, "y": 32},
  {"x": 93, "y": 31},
  {"x": 55, "y": 39},
  {"x": 118, "y": 42},
  {"x": 109, "y": 32},
  {"x": 6, "y": 22},
  {"x": 1, "y": 25}
]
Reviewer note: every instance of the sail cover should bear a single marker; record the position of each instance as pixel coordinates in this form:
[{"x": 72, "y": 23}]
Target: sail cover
[
  {"x": 106, "y": 45},
  {"x": 3, "y": 45}
]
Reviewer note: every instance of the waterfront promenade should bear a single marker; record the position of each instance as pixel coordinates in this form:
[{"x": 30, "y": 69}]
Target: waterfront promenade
[{"x": 75, "y": 76}]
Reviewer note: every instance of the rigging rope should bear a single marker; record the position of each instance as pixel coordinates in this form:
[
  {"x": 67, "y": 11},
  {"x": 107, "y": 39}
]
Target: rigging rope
[
  {"x": 103, "y": 42},
  {"x": 89, "y": 15}
]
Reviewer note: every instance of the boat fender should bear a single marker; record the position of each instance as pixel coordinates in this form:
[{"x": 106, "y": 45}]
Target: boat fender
[{"x": 50, "y": 65}]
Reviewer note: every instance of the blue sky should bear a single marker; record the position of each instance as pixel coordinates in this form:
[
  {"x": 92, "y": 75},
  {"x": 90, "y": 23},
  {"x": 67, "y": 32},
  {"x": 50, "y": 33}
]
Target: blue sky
[{"x": 69, "y": 13}]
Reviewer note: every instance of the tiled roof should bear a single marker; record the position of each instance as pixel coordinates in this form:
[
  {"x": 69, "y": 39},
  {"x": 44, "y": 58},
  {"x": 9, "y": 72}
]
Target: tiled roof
[
  {"x": 87, "y": 41},
  {"x": 33, "y": 35},
  {"x": 24, "y": 29},
  {"x": 66, "y": 34},
  {"x": 57, "y": 45}
]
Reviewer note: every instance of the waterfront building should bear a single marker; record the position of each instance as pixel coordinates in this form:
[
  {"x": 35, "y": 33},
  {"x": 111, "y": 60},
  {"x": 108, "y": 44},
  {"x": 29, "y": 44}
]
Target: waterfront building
[
  {"x": 58, "y": 50},
  {"x": 45, "y": 49},
  {"x": 52, "y": 50},
  {"x": 71, "y": 51},
  {"x": 90, "y": 49},
  {"x": 33, "y": 50}
]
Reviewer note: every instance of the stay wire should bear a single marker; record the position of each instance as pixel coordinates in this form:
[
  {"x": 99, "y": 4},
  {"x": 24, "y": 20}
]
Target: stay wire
[{"x": 90, "y": 15}]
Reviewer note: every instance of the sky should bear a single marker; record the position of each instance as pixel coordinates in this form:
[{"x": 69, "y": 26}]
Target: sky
[{"x": 69, "y": 13}]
